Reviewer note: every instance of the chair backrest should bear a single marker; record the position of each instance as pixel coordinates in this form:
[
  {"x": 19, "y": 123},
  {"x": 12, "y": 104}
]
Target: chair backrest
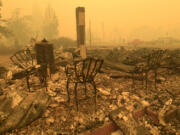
[
  {"x": 88, "y": 68},
  {"x": 139, "y": 68},
  {"x": 3, "y": 72},
  {"x": 155, "y": 58},
  {"x": 23, "y": 59}
]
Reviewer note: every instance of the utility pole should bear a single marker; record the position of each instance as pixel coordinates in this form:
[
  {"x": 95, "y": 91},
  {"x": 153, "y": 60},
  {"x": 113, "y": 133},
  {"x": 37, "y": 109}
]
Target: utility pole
[
  {"x": 90, "y": 37},
  {"x": 103, "y": 32}
]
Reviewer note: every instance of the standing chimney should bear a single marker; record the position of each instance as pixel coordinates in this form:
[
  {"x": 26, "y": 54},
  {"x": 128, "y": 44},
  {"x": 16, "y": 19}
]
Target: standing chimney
[{"x": 80, "y": 28}]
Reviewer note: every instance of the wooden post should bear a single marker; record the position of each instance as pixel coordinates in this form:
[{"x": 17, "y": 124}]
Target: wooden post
[{"x": 80, "y": 28}]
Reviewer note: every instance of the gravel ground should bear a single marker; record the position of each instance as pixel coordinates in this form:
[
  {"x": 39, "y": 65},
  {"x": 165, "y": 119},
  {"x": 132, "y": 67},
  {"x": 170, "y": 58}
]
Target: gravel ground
[{"x": 62, "y": 118}]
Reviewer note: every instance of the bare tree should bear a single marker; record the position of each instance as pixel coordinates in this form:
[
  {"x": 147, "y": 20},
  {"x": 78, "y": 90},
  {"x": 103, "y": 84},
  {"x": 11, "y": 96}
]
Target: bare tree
[
  {"x": 3, "y": 29},
  {"x": 50, "y": 25}
]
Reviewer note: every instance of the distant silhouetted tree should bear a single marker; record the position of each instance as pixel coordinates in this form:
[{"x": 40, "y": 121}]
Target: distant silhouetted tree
[
  {"x": 50, "y": 23},
  {"x": 36, "y": 20},
  {"x": 19, "y": 27},
  {"x": 3, "y": 29}
]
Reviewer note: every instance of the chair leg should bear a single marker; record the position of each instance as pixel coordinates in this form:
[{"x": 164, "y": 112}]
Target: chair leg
[
  {"x": 85, "y": 89},
  {"x": 155, "y": 78},
  {"x": 142, "y": 79},
  {"x": 146, "y": 79},
  {"x": 75, "y": 93},
  {"x": 41, "y": 82},
  {"x": 67, "y": 88},
  {"x": 45, "y": 82},
  {"x": 42, "y": 78},
  {"x": 38, "y": 73},
  {"x": 95, "y": 91},
  {"x": 27, "y": 81},
  {"x": 133, "y": 81}
]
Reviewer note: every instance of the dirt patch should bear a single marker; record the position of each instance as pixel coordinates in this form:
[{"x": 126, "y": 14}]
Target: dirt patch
[{"x": 4, "y": 60}]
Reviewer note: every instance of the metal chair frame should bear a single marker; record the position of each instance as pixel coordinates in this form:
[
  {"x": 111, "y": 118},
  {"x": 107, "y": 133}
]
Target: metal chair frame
[
  {"x": 83, "y": 72},
  {"x": 152, "y": 62},
  {"x": 24, "y": 60}
]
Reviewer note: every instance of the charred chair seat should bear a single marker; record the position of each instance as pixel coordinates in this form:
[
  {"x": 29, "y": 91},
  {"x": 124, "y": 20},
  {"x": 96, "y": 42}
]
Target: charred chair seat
[
  {"x": 83, "y": 72},
  {"x": 138, "y": 73},
  {"x": 24, "y": 60}
]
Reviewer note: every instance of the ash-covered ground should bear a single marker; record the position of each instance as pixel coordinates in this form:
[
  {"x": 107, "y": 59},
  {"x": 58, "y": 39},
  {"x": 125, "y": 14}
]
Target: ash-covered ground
[{"x": 61, "y": 117}]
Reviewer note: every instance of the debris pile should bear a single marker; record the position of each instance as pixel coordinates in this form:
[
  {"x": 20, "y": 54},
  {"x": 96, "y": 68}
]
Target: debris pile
[
  {"x": 133, "y": 110},
  {"x": 19, "y": 108}
]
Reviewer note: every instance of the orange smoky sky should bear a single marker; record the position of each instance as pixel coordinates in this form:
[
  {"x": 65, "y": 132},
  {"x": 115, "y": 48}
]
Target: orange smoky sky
[{"x": 117, "y": 18}]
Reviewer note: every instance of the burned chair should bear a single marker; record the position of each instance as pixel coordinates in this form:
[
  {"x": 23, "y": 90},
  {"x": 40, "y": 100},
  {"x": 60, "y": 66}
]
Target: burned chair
[
  {"x": 137, "y": 62},
  {"x": 154, "y": 61},
  {"x": 83, "y": 72},
  {"x": 151, "y": 62},
  {"x": 24, "y": 60}
]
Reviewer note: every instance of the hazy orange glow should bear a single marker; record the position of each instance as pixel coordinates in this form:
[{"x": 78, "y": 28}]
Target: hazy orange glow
[{"x": 120, "y": 17}]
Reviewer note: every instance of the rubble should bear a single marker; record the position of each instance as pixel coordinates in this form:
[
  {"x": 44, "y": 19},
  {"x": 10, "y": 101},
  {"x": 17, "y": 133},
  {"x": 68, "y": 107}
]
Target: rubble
[
  {"x": 18, "y": 108},
  {"x": 118, "y": 132},
  {"x": 141, "y": 111},
  {"x": 49, "y": 120},
  {"x": 172, "y": 114},
  {"x": 105, "y": 91}
]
